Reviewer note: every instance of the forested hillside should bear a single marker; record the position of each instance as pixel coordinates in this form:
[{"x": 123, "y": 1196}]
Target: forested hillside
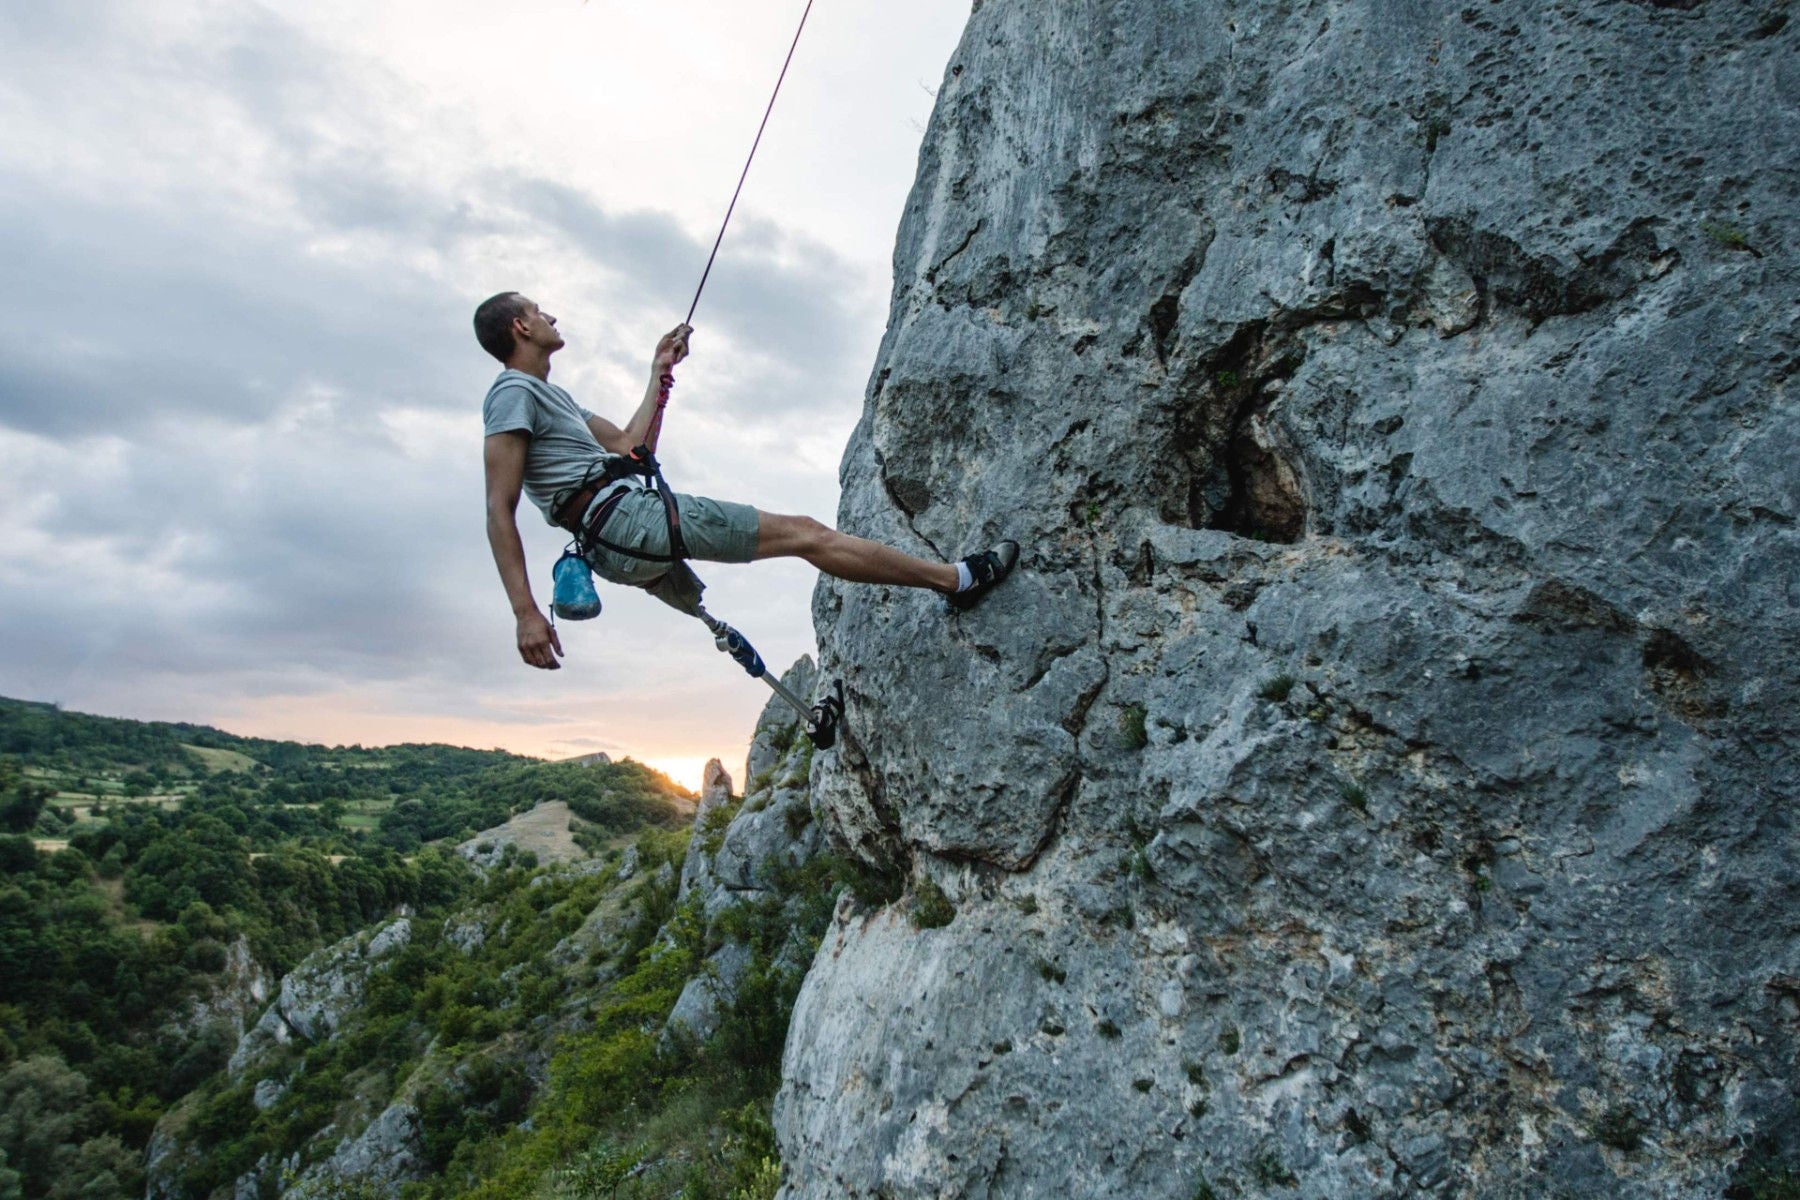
[{"x": 159, "y": 879}]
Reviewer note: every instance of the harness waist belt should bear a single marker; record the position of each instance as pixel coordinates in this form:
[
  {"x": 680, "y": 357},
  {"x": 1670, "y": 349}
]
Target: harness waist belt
[{"x": 568, "y": 515}]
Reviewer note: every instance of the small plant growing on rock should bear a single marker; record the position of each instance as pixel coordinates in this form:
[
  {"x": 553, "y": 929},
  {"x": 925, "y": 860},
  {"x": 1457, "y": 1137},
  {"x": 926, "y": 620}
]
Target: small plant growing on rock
[
  {"x": 1131, "y": 726},
  {"x": 1355, "y": 795},
  {"x": 1108, "y": 1029},
  {"x": 1143, "y": 1085},
  {"x": 1027, "y": 904},
  {"x": 1139, "y": 867},
  {"x": 1230, "y": 1041},
  {"x": 797, "y": 817},
  {"x": 1729, "y": 236},
  {"x": 1270, "y": 1172},
  {"x": 714, "y": 824},
  {"x": 931, "y": 909},
  {"x": 1051, "y": 971},
  {"x": 1276, "y": 690}
]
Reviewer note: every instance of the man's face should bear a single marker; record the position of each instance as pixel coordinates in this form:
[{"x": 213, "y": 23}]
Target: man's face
[{"x": 537, "y": 327}]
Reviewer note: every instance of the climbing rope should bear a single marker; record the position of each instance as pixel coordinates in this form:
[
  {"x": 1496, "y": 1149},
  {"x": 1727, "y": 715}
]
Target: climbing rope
[
  {"x": 822, "y": 719},
  {"x": 667, "y": 381},
  {"x": 747, "y": 161}
]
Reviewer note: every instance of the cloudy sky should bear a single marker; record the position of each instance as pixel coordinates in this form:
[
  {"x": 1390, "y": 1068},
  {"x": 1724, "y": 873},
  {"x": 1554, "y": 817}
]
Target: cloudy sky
[{"x": 239, "y": 397}]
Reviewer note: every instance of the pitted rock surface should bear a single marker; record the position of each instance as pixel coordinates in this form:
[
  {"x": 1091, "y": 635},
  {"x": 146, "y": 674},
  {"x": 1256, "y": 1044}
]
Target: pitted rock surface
[{"x": 1377, "y": 780}]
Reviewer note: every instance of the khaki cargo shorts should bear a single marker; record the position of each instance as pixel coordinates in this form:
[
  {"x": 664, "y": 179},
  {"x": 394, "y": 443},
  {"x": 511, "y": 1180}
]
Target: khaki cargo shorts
[{"x": 714, "y": 530}]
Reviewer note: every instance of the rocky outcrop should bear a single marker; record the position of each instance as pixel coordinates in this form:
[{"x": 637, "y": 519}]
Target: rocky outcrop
[
  {"x": 237, "y": 994},
  {"x": 544, "y": 831},
  {"x": 1376, "y": 780},
  {"x": 317, "y": 995},
  {"x": 740, "y": 849}
]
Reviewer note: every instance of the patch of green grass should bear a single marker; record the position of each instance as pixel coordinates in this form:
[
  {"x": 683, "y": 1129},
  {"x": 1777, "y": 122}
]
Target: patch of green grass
[
  {"x": 1093, "y": 512},
  {"x": 1270, "y": 1171},
  {"x": 1355, "y": 795},
  {"x": 1139, "y": 867},
  {"x": 1728, "y": 236},
  {"x": 1196, "y": 1074},
  {"x": 797, "y": 817},
  {"x": 800, "y": 773},
  {"x": 1051, "y": 971},
  {"x": 1027, "y": 904},
  {"x": 1765, "y": 1181},
  {"x": 1277, "y": 689},
  {"x": 714, "y": 824},
  {"x": 1230, "y": 1041},
  {"x": 1131, "y": 726},
  {"x": 931, "y": 909}
]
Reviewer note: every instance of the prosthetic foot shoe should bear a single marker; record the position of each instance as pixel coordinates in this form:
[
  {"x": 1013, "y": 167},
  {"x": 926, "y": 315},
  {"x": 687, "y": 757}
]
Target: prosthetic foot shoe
[{"x": 989, "y": 568}]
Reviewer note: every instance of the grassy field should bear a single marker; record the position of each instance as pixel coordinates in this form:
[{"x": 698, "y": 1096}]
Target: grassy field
[{"x": 223, "y": 760}]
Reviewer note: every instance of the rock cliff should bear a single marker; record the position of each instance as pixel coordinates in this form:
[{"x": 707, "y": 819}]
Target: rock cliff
[{"x": 1379, "y": 779}]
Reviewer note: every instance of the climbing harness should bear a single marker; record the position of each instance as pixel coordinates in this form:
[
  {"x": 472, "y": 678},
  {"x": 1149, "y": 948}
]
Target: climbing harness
[{"x": 823, "y": 719}]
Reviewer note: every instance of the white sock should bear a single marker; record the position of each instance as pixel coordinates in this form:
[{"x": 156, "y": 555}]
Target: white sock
[{"x": 965, "y": 579}]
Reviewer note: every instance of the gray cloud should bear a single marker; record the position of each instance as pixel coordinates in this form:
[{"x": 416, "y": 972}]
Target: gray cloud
[{"x": 232, "y": 399}]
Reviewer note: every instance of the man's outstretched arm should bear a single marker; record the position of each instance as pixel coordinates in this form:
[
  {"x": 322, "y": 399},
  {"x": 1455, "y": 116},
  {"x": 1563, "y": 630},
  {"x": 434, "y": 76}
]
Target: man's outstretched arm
[
  {"x": 669, "y": 351},
  {"x": 503, "y": 461}
]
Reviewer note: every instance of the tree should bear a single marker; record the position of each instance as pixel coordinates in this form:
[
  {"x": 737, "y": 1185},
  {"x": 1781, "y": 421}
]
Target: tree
[{"x": 20, "y": 809}]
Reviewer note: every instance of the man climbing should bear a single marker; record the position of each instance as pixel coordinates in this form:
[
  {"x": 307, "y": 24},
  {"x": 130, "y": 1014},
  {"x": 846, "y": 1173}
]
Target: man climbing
[{"x": 540, "y": 441}]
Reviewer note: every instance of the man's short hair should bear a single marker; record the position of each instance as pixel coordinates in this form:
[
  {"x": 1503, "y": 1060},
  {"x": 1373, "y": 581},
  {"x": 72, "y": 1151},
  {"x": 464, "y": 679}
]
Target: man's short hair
[{"x": 493, "y": 323}]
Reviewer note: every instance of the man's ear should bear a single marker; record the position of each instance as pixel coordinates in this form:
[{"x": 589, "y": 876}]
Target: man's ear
[{"x": 520, "y": 331}]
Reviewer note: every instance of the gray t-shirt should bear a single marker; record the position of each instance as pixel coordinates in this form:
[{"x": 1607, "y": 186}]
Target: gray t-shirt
[{"x": 563, "y": 453}]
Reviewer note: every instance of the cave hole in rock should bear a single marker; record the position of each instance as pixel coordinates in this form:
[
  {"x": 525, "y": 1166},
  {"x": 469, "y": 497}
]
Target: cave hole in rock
[{"x": 1239, "y": 475}]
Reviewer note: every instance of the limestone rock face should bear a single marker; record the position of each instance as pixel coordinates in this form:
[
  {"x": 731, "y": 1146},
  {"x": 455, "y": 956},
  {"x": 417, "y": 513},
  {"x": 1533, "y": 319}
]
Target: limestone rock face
[
  {"x": 740, "y": 848},
  {"x": 1378, "y": 778},
  {"x": 316, "y": 996}
]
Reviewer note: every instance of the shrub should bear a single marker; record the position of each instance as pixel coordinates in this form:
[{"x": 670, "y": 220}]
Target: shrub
[
  {"x": 931, "y": 909},
  {"x": 1728, "y": 236},
  {"x": 1276, "y": 690}
]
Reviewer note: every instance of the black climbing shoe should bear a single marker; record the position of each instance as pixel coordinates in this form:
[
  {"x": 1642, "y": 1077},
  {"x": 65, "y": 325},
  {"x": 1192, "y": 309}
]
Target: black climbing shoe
[{"x": 989, "y": 568}]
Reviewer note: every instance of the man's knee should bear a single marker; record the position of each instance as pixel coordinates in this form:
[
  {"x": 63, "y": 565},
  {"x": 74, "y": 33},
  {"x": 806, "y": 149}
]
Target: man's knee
[{"x": 780, "y": 535}]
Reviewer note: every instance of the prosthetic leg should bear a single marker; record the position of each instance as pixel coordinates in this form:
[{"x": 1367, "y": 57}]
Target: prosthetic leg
[{"x": 821, "y": 719}]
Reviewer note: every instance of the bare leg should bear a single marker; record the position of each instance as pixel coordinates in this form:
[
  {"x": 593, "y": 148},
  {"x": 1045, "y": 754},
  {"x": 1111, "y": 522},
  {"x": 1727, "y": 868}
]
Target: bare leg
[{"x": 855, "y": 559}]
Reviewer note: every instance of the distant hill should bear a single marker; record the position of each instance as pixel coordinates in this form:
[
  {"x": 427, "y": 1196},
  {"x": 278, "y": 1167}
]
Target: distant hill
[{"x": 156, "y": 878}]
